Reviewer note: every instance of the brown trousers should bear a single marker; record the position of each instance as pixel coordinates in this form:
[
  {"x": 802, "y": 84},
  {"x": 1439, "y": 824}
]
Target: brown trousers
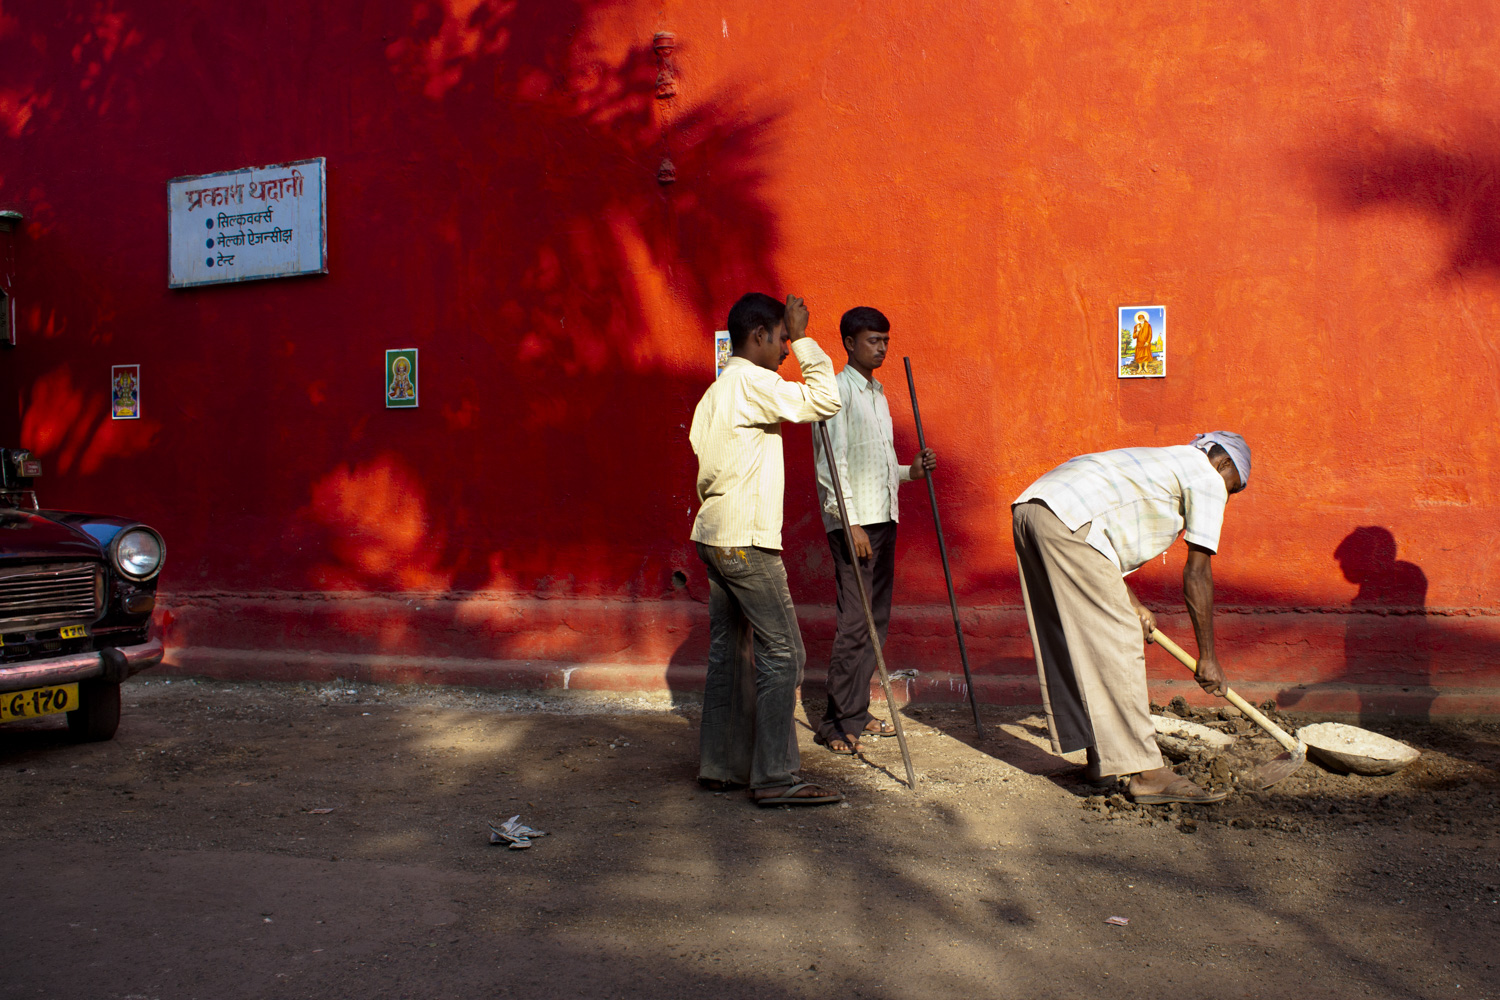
[{"x": 1090, "y": 655}]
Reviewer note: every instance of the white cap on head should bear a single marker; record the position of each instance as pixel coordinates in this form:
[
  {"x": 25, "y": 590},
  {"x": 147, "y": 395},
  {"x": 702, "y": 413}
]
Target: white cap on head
[{"x": 1233, "y": 444}]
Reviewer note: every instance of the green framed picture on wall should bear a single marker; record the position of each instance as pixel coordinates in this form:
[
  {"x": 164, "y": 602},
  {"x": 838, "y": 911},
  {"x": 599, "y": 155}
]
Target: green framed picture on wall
[{"x": 401, "y": 377}]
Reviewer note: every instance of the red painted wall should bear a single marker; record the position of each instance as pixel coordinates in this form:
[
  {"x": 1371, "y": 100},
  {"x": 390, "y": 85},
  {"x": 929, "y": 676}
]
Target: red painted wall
[{"x": 1310, "y": 190}]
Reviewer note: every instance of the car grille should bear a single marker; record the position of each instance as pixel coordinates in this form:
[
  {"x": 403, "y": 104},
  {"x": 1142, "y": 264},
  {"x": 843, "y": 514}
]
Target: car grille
[{"x": 34, "y": 597}]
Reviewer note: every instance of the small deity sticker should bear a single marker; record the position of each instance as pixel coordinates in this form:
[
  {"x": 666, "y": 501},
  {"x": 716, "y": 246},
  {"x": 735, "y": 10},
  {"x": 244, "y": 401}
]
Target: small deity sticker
[
  {"x": 723, "y": 349},
  {"x": 1143, "y": 341},
  {"x": 125, "y": 392},
  {"x": 401, "y": 377}
]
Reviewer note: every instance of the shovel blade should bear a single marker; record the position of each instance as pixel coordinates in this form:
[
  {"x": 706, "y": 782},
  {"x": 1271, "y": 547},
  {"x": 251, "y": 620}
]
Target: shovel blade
[{"x": 1278, "y": 768}]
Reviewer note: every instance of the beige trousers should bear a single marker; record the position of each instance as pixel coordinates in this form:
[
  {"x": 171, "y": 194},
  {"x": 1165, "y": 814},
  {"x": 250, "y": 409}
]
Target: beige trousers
[{"x": 1090, "y": 656}]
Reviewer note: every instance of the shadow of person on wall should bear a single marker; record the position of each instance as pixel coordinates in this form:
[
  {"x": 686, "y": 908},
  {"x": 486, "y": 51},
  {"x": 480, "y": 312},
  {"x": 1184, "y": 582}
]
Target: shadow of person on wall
[{"x": 1386, "y": 644}]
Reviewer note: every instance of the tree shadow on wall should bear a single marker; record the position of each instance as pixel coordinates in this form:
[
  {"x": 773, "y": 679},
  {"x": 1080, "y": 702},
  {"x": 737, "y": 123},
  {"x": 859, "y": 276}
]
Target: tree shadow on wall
[
  {"x": 579, "y": 276},
  {"x": 1457, "y": 187},
  {"x": 493, "y": 199}
]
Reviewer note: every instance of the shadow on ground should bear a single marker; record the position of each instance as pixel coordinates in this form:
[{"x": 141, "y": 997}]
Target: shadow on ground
[{"x": 186, "y": 858}]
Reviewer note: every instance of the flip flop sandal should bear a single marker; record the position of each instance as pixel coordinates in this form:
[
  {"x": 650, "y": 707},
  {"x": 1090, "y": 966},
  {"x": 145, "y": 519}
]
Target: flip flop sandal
[
  {"x": 1197, "y": 796},
  {"x": 879, "y": 727},
  {"x": 848, "y": 741},
  {"x": 715, "y": 785},
  {"x": 842, "y": 747},
  {"x": 789, "y": 797}
]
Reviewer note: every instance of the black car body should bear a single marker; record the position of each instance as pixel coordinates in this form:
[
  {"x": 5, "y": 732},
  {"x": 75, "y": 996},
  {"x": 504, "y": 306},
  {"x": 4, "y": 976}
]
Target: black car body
[{"x": 76, "y": 596}]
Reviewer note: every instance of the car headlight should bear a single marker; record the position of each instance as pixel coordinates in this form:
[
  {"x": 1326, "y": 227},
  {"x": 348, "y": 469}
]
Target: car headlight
[{"x": 138, "y": 553}]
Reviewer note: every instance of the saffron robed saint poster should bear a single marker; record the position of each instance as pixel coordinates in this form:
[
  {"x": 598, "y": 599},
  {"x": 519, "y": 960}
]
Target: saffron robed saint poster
[{"x": 1142, "y": 341}]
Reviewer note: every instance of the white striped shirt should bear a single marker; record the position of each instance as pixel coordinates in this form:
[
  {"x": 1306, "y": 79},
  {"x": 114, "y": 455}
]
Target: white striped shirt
[
  {"x": 865, "y": 449},
  {"x": 736, "y": 435},
  {"x": 1138, "y": 499}
]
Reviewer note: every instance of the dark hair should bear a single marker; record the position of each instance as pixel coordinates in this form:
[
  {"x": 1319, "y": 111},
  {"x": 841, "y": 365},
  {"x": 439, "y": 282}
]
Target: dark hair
[
  {"x": 753, "y": 311},
  {"x": 861, "y": 318}
]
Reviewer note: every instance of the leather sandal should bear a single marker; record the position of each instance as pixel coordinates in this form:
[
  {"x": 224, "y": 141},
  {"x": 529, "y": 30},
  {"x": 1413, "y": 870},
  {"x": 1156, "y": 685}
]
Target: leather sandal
[
  {"x": 1180, "y": 790},
  {"x": 845, "y": 746},
  {"x": 879, "y": 727},
  {"x": 842, "y": 748},
  {"x": 787, "y": 796}
]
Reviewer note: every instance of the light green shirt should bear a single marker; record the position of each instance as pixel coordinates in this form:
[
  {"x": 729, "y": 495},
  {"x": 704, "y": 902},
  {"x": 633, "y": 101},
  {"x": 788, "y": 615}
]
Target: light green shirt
[{"x": 865, "y": 452}]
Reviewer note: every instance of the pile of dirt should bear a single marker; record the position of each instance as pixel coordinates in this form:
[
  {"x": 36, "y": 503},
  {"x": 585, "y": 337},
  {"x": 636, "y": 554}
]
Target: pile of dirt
[{"x": 1455, "y": 756}]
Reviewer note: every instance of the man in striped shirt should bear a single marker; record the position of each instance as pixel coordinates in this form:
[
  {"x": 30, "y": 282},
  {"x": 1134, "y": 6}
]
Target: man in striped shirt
[
  {"x": 755, "y": 652},
  {"x": 1079, "y": 530},
  {"x": 869, "y": 472}
]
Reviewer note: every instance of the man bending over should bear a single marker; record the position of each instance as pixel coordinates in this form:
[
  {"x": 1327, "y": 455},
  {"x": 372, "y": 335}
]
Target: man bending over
[{"x": 1079, "y": 530}]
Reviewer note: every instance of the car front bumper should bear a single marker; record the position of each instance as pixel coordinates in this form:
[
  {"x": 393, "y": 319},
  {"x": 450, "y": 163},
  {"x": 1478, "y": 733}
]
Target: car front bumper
[{"x": 117, "y": 664}]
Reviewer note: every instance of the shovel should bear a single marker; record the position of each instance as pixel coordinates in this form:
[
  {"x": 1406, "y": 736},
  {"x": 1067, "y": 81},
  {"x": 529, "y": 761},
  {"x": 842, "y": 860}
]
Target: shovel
[{"x": 1278, "y": 767}]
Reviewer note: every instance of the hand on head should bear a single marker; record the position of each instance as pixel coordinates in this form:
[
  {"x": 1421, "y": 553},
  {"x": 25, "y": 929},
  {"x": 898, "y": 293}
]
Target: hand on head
[{"x": 796, "y": 317}]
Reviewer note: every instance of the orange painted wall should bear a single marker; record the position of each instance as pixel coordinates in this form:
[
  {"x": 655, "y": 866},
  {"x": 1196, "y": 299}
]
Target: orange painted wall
[{"x": 1309, "y": 189}]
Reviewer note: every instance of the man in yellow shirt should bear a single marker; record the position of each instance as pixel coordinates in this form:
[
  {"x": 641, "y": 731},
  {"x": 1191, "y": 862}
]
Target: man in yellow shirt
[{"x": 755, "y": 652}]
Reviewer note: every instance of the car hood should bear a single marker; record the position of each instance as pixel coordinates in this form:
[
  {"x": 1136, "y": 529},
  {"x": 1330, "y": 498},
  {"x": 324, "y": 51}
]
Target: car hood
[{"x": 26, "y": 535}]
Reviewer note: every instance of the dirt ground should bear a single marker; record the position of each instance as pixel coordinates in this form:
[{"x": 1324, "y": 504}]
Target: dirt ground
[{"x": 262, "y": 840}]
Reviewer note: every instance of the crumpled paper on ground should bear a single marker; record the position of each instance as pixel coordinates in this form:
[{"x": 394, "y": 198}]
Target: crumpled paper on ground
[{"x": 514, "y": 833}]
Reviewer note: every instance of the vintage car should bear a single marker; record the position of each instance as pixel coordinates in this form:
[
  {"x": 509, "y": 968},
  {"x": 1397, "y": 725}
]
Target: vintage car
[{"x": 76, "y": 596}]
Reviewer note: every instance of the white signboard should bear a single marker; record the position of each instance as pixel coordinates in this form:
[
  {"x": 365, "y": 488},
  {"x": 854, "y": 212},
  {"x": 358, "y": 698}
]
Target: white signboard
[{"x": 239, "y": 225}]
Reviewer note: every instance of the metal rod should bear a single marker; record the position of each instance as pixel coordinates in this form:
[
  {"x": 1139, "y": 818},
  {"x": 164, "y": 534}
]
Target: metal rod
[
  {"x": 864, "y": 599},
  {"x": 937, "y": 522}
]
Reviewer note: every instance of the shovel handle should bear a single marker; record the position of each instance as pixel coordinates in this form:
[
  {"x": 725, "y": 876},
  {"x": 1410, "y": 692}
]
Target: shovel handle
[{"x": 1244, "y": 706}]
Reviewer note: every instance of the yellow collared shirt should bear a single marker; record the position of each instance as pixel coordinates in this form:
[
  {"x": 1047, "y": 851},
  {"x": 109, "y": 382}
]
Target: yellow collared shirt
[{"x": 736, "y": 435}]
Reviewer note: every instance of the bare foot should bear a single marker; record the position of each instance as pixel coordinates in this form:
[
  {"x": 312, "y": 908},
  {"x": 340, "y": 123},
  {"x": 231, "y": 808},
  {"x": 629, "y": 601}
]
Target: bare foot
[{"x": 1155, "y": 780}]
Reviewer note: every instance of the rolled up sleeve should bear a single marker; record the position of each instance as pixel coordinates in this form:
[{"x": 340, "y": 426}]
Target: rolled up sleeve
[
  {"x": 1203, "y": 512},
  {"x": 774, "y": 400}
]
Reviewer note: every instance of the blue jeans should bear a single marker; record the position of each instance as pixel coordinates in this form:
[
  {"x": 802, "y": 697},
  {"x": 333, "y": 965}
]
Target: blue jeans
[{"x": 755, "y": 660}]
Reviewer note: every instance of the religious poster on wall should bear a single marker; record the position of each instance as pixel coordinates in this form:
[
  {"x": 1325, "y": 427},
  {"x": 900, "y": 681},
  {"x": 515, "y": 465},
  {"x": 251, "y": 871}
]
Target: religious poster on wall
[
  {"x": 401, "y": 377},
  {"x": 1143, "y": 341},
  {"x": 125, "y": 392},
  {"x": 242, "y": 225},
  {"x": 723, "y": 349}
]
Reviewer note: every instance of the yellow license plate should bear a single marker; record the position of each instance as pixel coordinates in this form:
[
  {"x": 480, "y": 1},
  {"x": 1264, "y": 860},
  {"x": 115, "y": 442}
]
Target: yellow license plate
[
  {"x": 38, "y": 701},
  {"x": 73, "y": 632}
]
